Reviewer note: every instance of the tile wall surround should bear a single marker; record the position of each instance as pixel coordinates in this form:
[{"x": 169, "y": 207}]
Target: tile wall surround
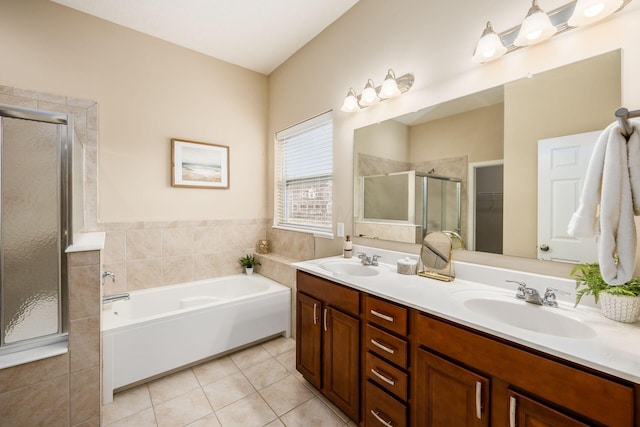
[{"x": 62, "y": 390}]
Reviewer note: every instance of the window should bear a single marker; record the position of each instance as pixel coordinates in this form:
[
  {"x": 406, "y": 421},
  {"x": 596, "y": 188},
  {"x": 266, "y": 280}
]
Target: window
[{"x": 304, "y": 176}]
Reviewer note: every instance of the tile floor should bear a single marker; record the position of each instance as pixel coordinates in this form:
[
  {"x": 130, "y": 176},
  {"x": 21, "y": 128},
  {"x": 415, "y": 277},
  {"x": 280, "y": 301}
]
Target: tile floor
[{"x": 258, "y": 386}]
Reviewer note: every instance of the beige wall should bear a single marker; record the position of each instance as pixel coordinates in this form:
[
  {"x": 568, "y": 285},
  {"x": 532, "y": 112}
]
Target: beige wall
[
  {"x": 477, "y": 134},
  {"x": 148, "y": 92},
  {"x": 435, "y": 43},
  {"x": 575, "y": 99}
]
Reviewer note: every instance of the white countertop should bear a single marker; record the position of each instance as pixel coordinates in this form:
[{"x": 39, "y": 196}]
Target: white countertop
[{"x": 613, "y": 349}]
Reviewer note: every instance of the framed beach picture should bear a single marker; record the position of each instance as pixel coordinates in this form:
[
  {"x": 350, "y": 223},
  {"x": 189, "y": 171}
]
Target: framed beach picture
[{"x": 199, "y": 164}]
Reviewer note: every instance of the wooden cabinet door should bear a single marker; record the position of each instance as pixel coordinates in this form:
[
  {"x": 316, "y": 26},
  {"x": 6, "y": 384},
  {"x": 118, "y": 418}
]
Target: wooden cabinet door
[
  {"x": 448, "y": 394},
  {"x": 342, "y": 360},
  {"x": 526, "y": 412},
  {"x": 308, "y": 337}
]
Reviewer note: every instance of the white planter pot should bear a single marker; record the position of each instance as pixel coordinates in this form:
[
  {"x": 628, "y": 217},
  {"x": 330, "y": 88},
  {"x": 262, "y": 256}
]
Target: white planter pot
[
  {"x": 620, "y": 308},
  {"x": 248, "y": 270}
]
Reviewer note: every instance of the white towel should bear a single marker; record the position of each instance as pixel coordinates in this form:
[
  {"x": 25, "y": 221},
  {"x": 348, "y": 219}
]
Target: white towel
[{"x": 608, "y": 185}]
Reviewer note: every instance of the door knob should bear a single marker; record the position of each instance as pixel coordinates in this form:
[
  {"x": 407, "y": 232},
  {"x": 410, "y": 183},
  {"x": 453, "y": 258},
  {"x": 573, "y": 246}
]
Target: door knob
[{"x": 544, "y": 248}]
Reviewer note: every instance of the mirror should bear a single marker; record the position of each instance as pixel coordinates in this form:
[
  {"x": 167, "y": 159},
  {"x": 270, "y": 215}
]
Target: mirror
[
  {"x": 435, "y": 257},
  {"x": 489, "y": 142}
]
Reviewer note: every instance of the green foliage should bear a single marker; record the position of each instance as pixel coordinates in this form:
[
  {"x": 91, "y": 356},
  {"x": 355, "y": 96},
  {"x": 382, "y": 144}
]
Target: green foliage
[
  {"x": 589, "y": 281},
  {"x": 248, "y": 261}
]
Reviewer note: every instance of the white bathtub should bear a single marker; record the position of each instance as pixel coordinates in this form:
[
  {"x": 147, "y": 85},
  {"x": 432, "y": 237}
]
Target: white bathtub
[{"x": 164, "y": 328}]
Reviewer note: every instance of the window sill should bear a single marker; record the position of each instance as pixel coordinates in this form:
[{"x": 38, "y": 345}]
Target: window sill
[
  {"x": 321, "y": 234},
  {"x": 33, "y": 354}
]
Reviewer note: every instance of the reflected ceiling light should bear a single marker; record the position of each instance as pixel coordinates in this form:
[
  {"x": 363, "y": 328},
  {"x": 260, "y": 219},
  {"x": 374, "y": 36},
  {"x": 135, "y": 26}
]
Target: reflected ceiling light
[
  {"x": 369, "y": 95},
  {"x": 489, "y": 46},
  {"x": 539, "y": 26},
  {"x": 391, "y": 87},
  {"x": 350, "y": 103},
  {"x": 588, "y": 11},
  {"x": 536, "y": 28}
]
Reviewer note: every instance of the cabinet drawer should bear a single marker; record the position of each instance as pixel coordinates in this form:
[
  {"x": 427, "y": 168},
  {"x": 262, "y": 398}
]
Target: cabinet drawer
[
  {"x": 382, "y": 410},
  {"x": 338, "y": 296},
  {"x": 386, "y": 376},
  {"x": 385, "y": 345},
  {"x": 385, "y": 314}
]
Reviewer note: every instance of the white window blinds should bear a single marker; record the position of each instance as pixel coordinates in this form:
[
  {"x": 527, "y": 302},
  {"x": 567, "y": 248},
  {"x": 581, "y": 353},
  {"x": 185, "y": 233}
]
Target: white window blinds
[{"x": 304, "y": 176}]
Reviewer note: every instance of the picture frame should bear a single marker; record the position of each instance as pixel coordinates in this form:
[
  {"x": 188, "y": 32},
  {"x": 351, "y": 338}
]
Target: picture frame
[{"x": 199, "y": 164}]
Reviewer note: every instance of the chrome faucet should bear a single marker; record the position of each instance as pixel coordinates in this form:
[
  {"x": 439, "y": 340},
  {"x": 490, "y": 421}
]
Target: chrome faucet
[
  {"x": 117, "y": 297},
  {"x": 372, "y": 260},
  {"x": 108, "y": 274},
  {"x": 532, "y": 296}
]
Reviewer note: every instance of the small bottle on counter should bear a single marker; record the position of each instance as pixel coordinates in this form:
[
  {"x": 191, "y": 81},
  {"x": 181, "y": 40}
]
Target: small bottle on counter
[{"x": 348, "y": 248}]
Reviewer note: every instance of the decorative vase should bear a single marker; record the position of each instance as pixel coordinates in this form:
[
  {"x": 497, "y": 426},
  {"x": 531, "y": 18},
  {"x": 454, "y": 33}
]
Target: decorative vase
[
  {"x": 620, "y": 308},
  {"x": 248, "y": 270}
]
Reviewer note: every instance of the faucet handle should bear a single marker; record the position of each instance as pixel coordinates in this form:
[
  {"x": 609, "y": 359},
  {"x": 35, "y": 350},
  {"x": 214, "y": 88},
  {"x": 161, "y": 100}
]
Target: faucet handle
[
  {"x": 550, "y": 296},
  {"x": 521, "y": 288}
]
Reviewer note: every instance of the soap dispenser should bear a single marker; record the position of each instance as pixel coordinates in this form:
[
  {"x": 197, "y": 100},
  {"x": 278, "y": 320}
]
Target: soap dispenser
[{"x": 348, "y": 248}]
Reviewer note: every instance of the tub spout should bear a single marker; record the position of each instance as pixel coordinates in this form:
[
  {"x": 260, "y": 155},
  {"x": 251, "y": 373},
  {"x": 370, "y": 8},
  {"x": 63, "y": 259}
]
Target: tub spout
[{"x": 117, "y": 297}]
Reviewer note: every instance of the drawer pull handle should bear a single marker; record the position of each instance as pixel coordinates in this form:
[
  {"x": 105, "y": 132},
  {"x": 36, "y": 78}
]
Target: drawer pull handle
[
  {"x": 384, "y": 378},
  {"x": 377, "y": 416},
  {"x": 512, "y": 411},
  {"x": 315, "y": 315},
  {"x": 382, "y": 346},
  {"x": 382, "y": 316},
  {"x": 325, "y": 320},
  {"x": 478, "y": 400}
]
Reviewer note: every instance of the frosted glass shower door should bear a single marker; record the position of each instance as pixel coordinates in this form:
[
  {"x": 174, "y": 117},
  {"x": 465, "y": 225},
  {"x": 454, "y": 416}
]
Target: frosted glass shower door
[{"x": 29, "y": 230}]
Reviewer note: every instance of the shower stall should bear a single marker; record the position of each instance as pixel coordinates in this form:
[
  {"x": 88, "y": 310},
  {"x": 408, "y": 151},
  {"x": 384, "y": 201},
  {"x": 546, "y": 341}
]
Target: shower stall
[{"x": 36, "y": 157}]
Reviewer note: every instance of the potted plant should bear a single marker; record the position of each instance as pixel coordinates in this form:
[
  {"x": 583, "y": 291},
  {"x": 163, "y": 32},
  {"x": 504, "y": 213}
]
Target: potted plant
[
  {"x": 620, "y": 303},
  {"x": 248, "y": 261}
]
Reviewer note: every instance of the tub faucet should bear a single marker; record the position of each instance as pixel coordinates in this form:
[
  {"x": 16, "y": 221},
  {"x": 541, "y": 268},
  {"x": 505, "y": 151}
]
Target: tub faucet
[
  {"x": 117, "y": 297},
  {"x": 108, "y": 274}
]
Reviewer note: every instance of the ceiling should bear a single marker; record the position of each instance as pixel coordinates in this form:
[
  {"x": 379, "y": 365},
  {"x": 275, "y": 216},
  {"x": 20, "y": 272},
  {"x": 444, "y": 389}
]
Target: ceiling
[{"x": 255, "y": 34}]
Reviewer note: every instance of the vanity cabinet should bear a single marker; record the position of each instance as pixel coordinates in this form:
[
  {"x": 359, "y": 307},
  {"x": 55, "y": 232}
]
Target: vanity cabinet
[
  {"x": 526, "y": 387},
  {"x": 328, "y": 340},
  {"x": 448, "y": 394}
]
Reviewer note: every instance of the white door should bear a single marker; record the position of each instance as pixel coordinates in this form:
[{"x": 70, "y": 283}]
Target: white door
[{"x": 562, "y": 166}]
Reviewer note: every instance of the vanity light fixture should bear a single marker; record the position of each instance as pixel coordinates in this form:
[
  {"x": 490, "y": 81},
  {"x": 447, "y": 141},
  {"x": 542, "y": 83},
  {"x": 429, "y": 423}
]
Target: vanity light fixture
[
  {"x": 369, "y": 95},
  {"x": 536, "y": 28},
  {"x": 588, "y": 11},
  {"x": 391, "y": 87},
  {"x": 539, "y": 26},
  {"x": 489, "y": 46}
]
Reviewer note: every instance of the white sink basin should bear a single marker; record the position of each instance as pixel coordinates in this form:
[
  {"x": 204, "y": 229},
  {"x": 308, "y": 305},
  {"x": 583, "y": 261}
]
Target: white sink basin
[
  {"x": 507, "y": 309},
  {"x": 350, "y": 268}
]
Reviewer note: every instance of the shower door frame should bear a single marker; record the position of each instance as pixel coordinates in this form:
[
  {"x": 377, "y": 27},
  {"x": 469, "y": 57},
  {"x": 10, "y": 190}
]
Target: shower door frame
[{"x": 65, "y": 239}]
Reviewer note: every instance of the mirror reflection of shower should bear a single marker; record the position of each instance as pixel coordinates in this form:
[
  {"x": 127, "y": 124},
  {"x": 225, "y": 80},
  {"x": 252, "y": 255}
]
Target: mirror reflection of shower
[
  {"x": 410, "y": 203},
  {"x": 35, "y": 177}
]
